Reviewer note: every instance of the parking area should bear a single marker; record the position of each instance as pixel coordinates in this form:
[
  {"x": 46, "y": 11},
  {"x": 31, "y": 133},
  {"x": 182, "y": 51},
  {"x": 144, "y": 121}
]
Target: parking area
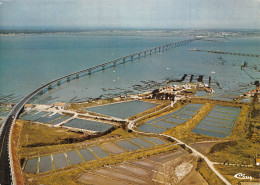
[
  {"x": 62, "y": 160},
  {"x": 219, "y": 122},
  {"x": 161, "y": 124}
]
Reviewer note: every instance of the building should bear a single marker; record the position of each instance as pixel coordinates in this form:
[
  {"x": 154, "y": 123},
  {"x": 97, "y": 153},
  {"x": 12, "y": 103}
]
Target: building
[
  {"x": 28, "y": 106},
  {"x": 59, "y": 105}
]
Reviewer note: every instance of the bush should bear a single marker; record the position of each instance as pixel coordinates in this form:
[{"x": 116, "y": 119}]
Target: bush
[{"x": 221, "y": 146}]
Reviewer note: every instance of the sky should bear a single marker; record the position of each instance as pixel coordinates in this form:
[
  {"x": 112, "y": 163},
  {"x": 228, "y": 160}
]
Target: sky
[{"x": 140, "y": 14}]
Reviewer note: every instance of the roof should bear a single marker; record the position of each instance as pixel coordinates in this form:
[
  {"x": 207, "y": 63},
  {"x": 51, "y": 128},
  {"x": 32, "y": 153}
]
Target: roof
[
  {"x": 59, "y": 104},
  {"x": 28, "y": 105}
]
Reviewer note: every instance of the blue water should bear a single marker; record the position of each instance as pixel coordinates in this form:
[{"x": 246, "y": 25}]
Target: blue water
[
  {"x": 89, "y": 125},
  {"x": 218, "y": 127},
  {"x": 122, "y": 110},
  {"x": 30, "y": 60}
]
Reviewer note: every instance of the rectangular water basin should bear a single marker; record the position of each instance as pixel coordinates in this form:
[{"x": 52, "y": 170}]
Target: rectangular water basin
[
  {"x": 28, "y": 115},
  {"x": 47, "y": 119},
  {"x": 157, "y": 119},
  {"x": 74, "y": 157},
  {"x": 88, "y": 125},
  {"x": 175, "y": 120},
  {"x": 4, "y": 114},
  {"x": 141, "y": 142},
  {"x": 195, "y": 105},
  {"x": 221, "y": 116},
  {"x": 222, "y": 113},
  {"x": 209, "y": 133},
  {"x": 218, "y": 119},
  {"x": 36, "y": 116},
  {"x": 45, "y": 164},
  {"x": 60, "y": 161},
  {"x": 192, "y": 108},
  {"x": 155, "y": 140},
  {"x": 31, "y": 165},
  {"x": 127, "y": 145},
  {"x": 123, "y": 110},
  {"x": 212, "y": 128},
  {"x": 60, "y": 120},
  {"x": 164, "y": 124},
  {"x": 167, "y": 115},
  {"x": 99, "y": 152},
  {"x": 150, "y": 128},
  {"x": 226, "y": 109},
  {"x": 190, "y": 112},
  {"x": 86, "y": 154},
  {"x": 112, "y": 148},
  {"x": 184, "y": 116},
  {"x": 228, "y": 125}
]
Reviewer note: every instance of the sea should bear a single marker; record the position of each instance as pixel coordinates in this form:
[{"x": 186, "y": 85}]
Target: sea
[{"x": 28, "y": 61}]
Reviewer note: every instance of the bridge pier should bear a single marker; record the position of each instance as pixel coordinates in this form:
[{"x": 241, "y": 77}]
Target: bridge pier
[
  {"x": 58, "y": 83},
  {"x": 150, "y": 52},
  {"x": 77, "y": 76},
  {"x": 68, "y": 79},
  {"x": 89, "y": 72},
  {"x": 139, "y": 55},
  {"x": 154, "y": 50},
  {"x": 132, "y": 58},
  {"x": 159, "y": 49},
  {"x": 114, "y": 64},
  {"x": 145, "y": 53},
  {"x": 49, "y": 87},
  {"x": 123, "y": 60},
  {"x": 103, "y": 67}
]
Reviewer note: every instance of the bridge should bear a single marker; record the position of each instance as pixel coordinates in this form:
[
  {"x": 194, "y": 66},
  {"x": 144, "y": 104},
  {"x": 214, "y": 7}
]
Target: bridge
[
  {"x": 226, "y": 53},
  {"x": 6, "y": 162}
]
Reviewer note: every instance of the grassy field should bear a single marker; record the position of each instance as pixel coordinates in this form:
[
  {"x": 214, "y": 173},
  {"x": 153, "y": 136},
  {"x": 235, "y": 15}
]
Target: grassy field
[
  {"x": 37, "y": 134},
  {"x": 207, "y": 173},
  {"x": 240, "y": 151},
  {"x": 230, "y": 171},
  {"x": 17, "y": 127}
]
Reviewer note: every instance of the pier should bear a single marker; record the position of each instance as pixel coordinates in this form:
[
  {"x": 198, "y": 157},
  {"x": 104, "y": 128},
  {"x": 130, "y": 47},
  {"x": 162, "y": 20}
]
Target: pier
[{"x": 226, "y": 53}]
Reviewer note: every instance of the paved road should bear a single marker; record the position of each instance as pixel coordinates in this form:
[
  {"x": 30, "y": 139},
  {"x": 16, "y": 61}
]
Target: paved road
[
  {"x": 5, "y": 173},
  {"x": 5, "y": 168}
]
